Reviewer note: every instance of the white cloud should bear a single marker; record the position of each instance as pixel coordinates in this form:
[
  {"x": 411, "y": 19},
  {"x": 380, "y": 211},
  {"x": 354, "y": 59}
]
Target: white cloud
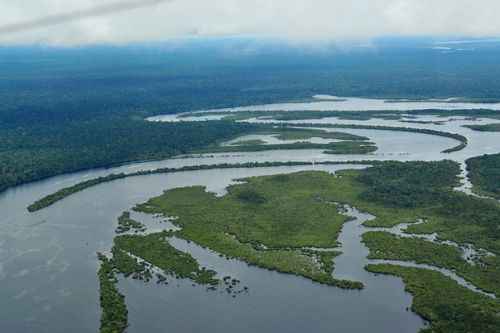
[{"x": 293, "y": 19}]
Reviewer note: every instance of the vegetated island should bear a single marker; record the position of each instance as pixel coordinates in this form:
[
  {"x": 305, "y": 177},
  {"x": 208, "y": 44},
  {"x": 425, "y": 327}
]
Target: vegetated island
[
  {"x": 114, "y": 316},
  {"x": 484, "y": 174},
  {"x": 351, "y": 144},
  {"x": 320, "y": 114},
  {"x": 144, "y": 257},
  {"x": 270, "y": 221},
  {"x": 293, "y": 133},
  {"x": 342, "y": 147},
  {"x": 459, "y": 137},
  {"x": 485, "y": 128}
]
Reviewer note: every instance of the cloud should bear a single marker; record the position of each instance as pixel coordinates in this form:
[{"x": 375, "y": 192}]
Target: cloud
[{"x": 309, "y": 20}]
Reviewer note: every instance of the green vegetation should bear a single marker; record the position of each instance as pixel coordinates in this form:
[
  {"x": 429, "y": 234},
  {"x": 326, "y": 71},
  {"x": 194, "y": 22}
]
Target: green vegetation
[
  {"x": 409, "y": 185},
  {"x": 484, "y": 274},
  {"x": 129, "y": 266},
  {"x": 403, "y": 192},
  {"x": 343, "y": 147},
  {"x": 448, "y": 306},
  {"x": 351, "y": 115},
  {"x": 299, "y": 115},
  {"x": 461, "y": 138},
  {"x": 155, "y": 249},
  {"x": 273, "y": 221},
  {"x": 439, "y": 123},
  {"x": 114, "y": 312},
  {"x": 264, "y": 222},
  {"x": 58, "y": 116},
  {"x": 289, "y": 133},
  {"x": 469, "y": 114},
  {"x": 485, "y": 128},
  {"x": 28, "y": 154},
  {"x": 459, "y": 147},
  {"x": 67, "y": 191},
  {"x": 125, "y": 224},
  {"x": 289, "y": 211},
  {"x": 484, "y": 174},
  {"x": 249, "y": 143}
]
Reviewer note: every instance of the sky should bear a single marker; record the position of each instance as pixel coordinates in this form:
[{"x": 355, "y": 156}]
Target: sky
[{"x": 132, "y": 21}]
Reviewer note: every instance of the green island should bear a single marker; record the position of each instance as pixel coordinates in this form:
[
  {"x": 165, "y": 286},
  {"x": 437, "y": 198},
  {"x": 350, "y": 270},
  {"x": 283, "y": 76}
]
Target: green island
[
  {"x": 483, "y": 274},
  {"x": 114, "y": 317},
  {"x": 446, "y": 305},
  {"x": 155, "y": 250},
  {"x": 266, "y": 222},
  {"x": 459, "y": 137},
  {"x": 248, "y": 143},
  {"x": 342, "y": 147},
  {"x": 64, "y": 192},
  {"x": 125, "y": 224},
  {"x": 352, "y": 144},
  {"x": 291, "y": 133},
  {"x": 438, "y": 123},
  {"x": 484, "y": 174},
  {"x": 485, "y": 128},
  {"x": 67, "y": 191}
]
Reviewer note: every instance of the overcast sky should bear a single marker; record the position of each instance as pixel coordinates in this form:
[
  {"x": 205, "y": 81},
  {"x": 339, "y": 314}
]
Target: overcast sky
[{"x": 298, "y": 20}]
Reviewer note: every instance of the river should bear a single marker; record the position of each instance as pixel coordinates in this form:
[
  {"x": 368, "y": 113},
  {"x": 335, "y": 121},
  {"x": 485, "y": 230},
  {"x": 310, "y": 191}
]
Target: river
[{"x": 48, "y": 264}]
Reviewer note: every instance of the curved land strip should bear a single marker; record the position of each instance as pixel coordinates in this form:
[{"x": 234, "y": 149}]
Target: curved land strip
[
  {"x": 448, "y": 306},
  {"x": 64, "y": 192},
  {"x": 291, "y": 133},
  {"x": 463, "y": 140},
  {"x": 343, "y": 147},
  {"x": 484, "y": 174}
]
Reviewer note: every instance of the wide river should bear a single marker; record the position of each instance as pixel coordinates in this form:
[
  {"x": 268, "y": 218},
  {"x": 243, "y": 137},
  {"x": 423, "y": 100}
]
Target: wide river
[{"x": 48, "y": 261}]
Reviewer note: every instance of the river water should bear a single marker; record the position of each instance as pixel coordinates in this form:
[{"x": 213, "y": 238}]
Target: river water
[{"x": 48, "y": 264}]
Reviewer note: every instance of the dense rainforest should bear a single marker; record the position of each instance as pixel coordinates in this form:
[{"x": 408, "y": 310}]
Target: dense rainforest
[{"x": 64, "y": 110}]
